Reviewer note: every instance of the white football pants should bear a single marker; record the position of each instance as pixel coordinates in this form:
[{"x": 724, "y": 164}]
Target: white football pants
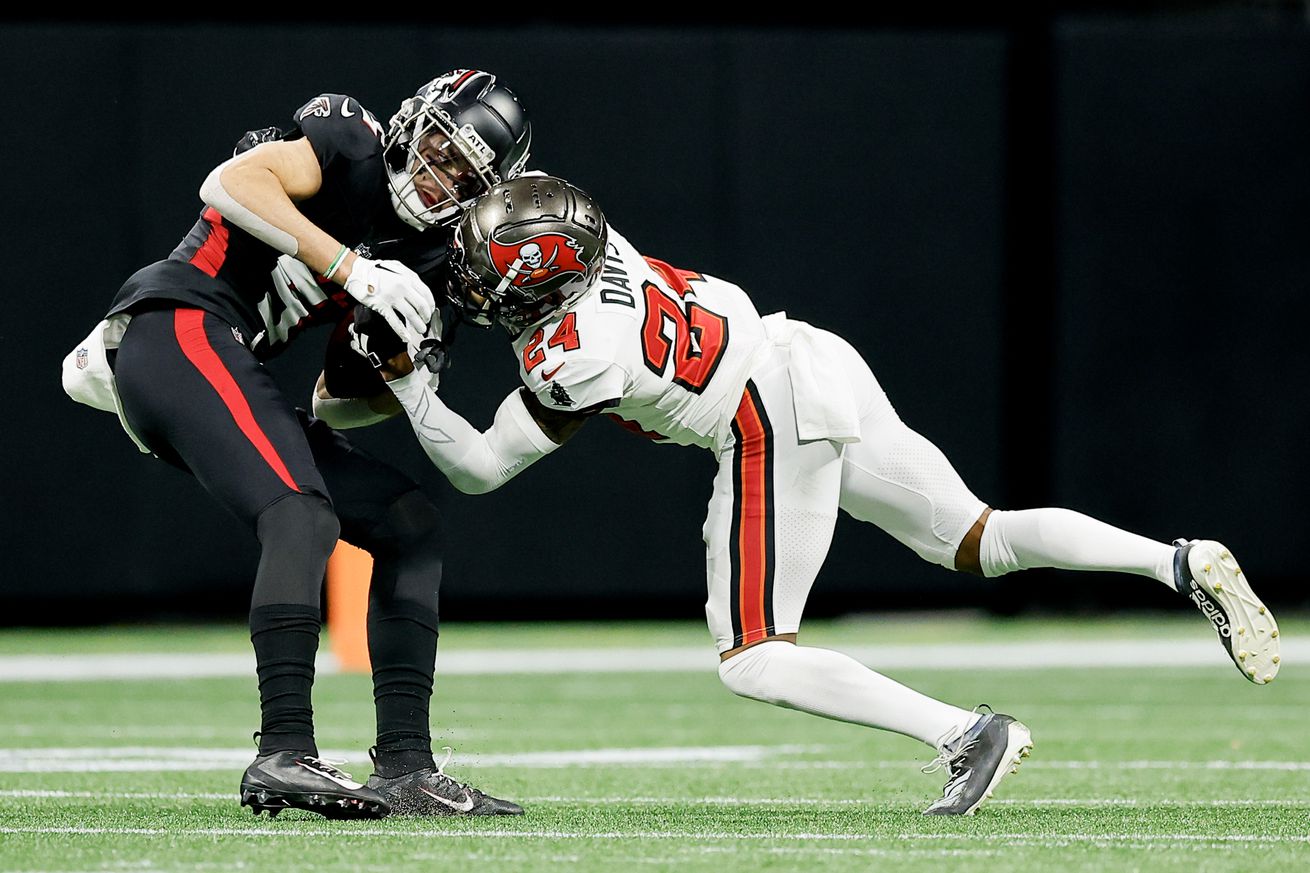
[{"x": 775, "y": 500}]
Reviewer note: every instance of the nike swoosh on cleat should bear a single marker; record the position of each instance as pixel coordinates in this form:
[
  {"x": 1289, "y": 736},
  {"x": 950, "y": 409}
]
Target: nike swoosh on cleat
[
  {"x": 547, "y": 375},
  {"x": 344, "y": 783},
  {"x": 954, "y": 789},
  {"x": 465, "y": 806}
]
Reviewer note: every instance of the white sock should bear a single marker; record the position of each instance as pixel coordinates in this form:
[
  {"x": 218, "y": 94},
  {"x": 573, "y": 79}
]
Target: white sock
[
  {"x": 833, "y": 685},
  {"x": 1068, "y": 540}
]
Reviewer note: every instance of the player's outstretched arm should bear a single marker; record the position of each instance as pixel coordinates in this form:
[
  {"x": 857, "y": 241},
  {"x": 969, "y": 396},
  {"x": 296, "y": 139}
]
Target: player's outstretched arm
[
  {"x": 554, "y": 423},
  {"x": 350, "y": 391},
  {"x": 474, "y": 461},
  {"x": 344, "y": 413}
]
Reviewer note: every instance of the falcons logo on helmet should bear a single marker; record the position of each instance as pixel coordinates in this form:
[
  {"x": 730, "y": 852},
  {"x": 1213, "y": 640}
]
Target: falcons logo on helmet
[
  {"x": 532, "y": 261},
  {"x": 444, "y": 88}
]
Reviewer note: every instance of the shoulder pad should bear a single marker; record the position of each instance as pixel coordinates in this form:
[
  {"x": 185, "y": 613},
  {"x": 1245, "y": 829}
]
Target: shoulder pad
[{"x": 336, "y": 124}]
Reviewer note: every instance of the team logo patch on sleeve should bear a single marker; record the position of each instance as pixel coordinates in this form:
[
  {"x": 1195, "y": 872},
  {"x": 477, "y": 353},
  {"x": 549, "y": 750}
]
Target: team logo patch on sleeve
[
  {"x": 536, "y": 259},
  {"x": 559, "y": 396},
  {"x": 319, "y": 107}
]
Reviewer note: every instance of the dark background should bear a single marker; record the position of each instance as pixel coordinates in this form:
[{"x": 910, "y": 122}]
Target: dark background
[{"x": 1074, "y": 246}]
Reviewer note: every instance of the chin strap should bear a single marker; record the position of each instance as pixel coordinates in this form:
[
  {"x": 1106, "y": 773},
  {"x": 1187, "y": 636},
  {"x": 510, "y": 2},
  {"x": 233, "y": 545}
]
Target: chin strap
[{"x": 400, "y": 204}]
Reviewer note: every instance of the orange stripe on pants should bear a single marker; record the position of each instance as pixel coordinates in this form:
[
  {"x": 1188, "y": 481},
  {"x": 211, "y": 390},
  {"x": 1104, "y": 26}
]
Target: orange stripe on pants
[{"x": 754, "y": 510}]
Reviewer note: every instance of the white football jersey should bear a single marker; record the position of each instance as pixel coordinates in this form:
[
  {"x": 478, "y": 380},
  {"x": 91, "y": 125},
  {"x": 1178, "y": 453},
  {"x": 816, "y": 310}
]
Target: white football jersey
[{"x": 665, "y": 350}]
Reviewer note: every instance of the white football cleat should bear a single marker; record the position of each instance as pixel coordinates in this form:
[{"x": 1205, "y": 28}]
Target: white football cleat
[{"x": 1206, "y": 573}]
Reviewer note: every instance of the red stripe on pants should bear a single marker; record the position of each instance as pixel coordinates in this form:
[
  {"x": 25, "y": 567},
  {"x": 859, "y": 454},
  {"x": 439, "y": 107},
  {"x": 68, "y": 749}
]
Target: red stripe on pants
[
  {"x": 753, "y": 520},
  {"x": 189, "y": 326}
]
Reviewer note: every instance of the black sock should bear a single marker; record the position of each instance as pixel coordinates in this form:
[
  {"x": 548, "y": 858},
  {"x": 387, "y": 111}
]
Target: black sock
[
  {"x": 389, "y": 765},
  {"x": 402, "y": 644},
  {"x": 285, "y": 636}
]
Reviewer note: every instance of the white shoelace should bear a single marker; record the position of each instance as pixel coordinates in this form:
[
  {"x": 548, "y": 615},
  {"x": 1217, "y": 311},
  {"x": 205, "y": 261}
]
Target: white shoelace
[
  {"x": 333, "y": 767},
  {"x": 946, "y": 754},
  {"x": 441, "y": 771}
]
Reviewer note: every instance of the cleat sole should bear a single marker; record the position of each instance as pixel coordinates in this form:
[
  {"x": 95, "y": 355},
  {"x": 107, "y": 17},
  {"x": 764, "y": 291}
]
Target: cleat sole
[
  {"x": 1222, "y": 581},
  {"x": 330, "y": 806}
]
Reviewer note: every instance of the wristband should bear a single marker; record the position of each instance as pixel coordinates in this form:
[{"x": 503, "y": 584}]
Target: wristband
[{"x": 337, "y": 262}]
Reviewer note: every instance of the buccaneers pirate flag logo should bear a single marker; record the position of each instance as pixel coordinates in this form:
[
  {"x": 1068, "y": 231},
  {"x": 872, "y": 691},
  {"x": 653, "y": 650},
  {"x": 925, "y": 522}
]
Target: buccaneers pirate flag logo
[{"x": 537, "y": 259}]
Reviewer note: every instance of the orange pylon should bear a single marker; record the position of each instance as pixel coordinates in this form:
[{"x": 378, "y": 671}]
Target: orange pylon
[{"x": 348, "y": 573}]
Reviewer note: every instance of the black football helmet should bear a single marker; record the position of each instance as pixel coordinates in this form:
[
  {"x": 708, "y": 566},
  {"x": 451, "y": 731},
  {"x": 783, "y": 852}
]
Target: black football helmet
[
  {"x": 463, "y": 132},
  {"x": 526, "y": 248}
]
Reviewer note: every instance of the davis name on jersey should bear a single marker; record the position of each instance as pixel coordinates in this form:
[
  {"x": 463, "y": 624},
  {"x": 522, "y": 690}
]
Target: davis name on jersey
[{"x": 664, "y": 350}]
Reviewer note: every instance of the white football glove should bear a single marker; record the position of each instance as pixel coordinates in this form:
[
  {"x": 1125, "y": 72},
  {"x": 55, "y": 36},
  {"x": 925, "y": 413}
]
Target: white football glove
[{"x": 395, "y": 292}]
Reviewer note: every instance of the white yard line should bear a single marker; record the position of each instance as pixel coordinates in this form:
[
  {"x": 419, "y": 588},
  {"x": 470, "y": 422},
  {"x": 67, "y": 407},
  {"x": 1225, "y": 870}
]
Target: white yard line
[
  {"x": 114, "y": 796},
  {"x": 108, "y": 759},
  {"x": 120, "y": 759},
  {"x": 1171, "y": 765},
  {"x": 1011, "y": 839},
  {"x": 1116, "y": 838},
  {"x": 914, "y": 852},
  {"x": 706, "y": 801},
  {"x": 55, "y": 667},
  {"x": 1201, "y": 651},
  {"x": 827, "y": 801},
  {"x": 1039, "y": 764}
]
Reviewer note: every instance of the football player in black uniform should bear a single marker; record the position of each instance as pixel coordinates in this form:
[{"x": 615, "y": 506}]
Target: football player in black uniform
[{"x": 288, "y": 240}]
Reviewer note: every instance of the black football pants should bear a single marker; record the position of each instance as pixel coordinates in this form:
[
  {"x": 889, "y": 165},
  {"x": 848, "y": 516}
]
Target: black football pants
[{"x": 202, "y": 402}]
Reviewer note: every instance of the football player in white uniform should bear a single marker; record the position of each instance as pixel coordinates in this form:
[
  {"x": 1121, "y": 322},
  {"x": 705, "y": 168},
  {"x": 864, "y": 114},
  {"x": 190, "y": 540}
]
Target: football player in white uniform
[{"x": 801, "y": 428}]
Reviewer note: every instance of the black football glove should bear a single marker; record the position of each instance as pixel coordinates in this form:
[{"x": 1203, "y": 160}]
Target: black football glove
[
  {"x": 345, "y": 373},
  {"x": 434, "y": 351},
  {"x": 432, "y": 355},
  {"x": 372, "y": 338}
]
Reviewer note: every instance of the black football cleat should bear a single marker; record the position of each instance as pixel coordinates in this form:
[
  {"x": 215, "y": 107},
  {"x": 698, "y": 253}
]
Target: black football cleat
[
  {"x": 977, "y": 761},
  {"x": 430, "y": 791},
  {"x": 295, "y": 780},
  {"x": 1207, "y": 574}
]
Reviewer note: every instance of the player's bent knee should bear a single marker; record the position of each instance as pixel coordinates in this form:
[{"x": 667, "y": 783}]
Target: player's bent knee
[
  {"x": 753, "y": 672},
  {"x": 996, "y": 554},
  {"x": 297, "y": 534},
  {"x": 411, "y": 524},
  {"x": 303, "y": 521},
  {"x": 407, "y": 548}
]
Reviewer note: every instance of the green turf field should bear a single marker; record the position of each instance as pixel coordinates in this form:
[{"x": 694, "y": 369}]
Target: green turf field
[{"x": 1145, "y": 768}]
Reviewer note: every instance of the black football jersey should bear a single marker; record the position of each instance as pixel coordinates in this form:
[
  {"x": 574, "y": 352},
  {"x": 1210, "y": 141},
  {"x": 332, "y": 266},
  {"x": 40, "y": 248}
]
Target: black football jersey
[{"x": 223, "y": 269}]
